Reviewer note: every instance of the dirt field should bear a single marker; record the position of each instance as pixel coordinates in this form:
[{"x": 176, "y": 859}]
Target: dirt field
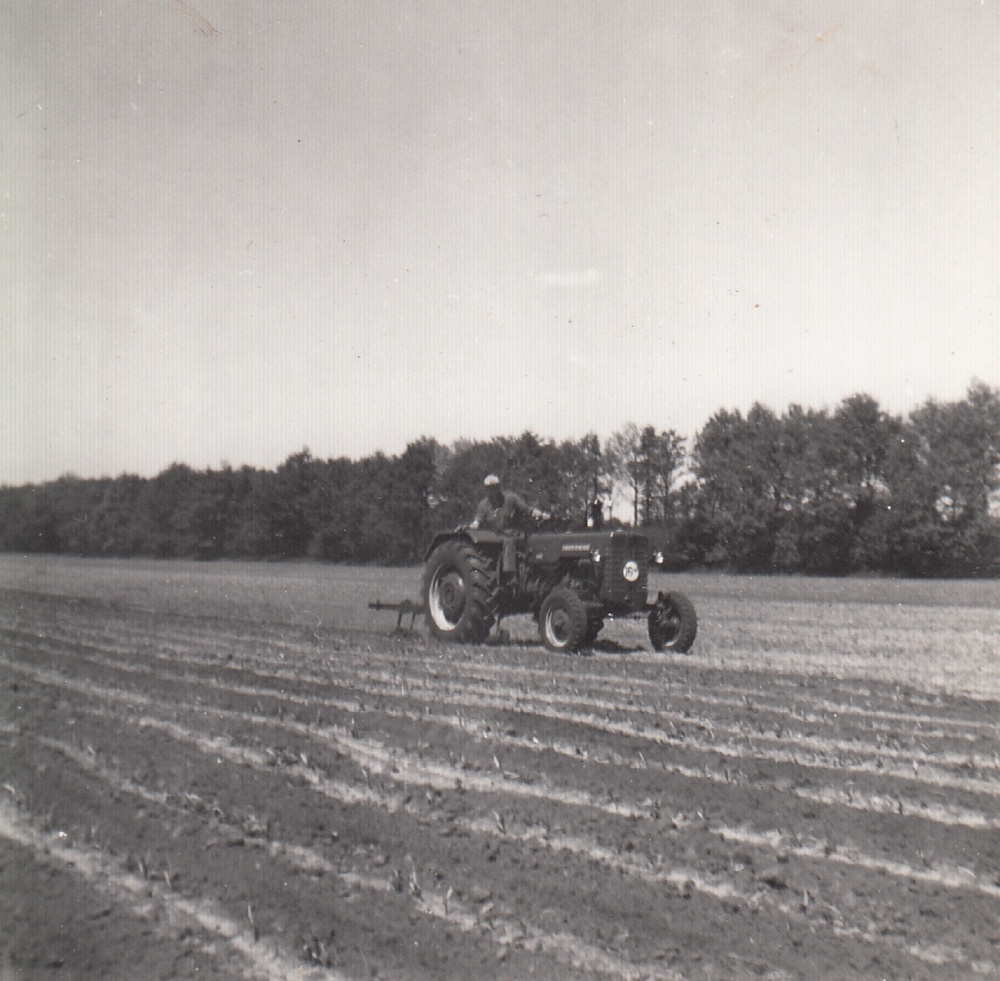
[{"x": 228, "y": 771}]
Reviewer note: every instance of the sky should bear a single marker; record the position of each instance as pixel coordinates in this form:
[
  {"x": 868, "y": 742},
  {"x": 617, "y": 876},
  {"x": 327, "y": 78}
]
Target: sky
[{"x": 231, "y": 230}]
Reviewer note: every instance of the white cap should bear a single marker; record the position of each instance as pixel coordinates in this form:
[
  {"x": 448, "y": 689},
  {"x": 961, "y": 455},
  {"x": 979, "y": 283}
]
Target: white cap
[{"x": 491, "y": 481}]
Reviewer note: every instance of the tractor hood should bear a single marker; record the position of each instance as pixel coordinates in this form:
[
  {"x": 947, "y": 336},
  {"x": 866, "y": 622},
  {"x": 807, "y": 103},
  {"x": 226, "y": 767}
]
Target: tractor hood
[{"x": 550, "y": 548}]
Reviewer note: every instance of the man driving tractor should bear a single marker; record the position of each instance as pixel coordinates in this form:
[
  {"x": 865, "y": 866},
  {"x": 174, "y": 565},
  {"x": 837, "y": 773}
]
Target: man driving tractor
[
  {"x": 506, "y": 513},
  {"x": 503, "y": 511}
]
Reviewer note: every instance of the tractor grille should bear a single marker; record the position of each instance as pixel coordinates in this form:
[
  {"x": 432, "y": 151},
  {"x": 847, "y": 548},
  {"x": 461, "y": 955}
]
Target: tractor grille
[{"x": 616, "y": 590}]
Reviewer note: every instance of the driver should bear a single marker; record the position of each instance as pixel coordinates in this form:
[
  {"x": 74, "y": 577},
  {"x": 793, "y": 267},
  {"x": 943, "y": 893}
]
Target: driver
[{"x": 505, "y": 513}]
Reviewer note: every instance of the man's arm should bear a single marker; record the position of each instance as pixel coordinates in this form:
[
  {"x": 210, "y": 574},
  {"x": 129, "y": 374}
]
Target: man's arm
[
  {"x": 478, "y": 517},
  {"x": 518, "y": 506}
]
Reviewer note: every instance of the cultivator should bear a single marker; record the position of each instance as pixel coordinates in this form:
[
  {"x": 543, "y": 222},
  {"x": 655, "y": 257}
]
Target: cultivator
[{"x": 402, "y": 608}]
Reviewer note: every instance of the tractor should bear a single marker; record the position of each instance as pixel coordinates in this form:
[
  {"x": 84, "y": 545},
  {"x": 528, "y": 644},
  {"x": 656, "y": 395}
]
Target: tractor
[{"x": 570, "y": 582}]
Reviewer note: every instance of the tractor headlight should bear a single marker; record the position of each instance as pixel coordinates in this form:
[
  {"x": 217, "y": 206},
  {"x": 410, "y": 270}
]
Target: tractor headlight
[
  {"x": 596, "y": 555},
  {"x": 630, "y": 570}
]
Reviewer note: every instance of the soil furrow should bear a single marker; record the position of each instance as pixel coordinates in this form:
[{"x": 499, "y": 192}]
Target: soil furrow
[
  {"x": 922, "y": 766},
  {"x": 682, "y": 879},
  {"x": 811, "y": 795}
]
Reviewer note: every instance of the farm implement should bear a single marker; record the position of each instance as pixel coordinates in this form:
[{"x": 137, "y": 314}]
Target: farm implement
[{"x": 403, "y": 608}]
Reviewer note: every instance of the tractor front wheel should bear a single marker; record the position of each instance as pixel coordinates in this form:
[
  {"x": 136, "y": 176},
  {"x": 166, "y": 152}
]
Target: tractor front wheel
[
  {"x": 459, "y": 587},
  {"x": 673, "y": 623},
  {"x": 562, "y": 620}
]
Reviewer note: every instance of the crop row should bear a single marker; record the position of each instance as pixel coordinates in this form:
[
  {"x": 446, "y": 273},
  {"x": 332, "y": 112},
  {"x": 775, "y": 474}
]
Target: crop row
[{"x": 503, "y": 807}]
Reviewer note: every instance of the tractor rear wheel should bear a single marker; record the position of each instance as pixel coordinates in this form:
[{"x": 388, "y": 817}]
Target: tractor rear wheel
[
  {"x": 673, "y": 623},
  {"x": 562, "y": 620},
  {"x": 459, "y": 588}
]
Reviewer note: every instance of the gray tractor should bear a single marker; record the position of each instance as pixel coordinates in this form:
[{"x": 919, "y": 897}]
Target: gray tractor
[{"x": 570, "y": 582}]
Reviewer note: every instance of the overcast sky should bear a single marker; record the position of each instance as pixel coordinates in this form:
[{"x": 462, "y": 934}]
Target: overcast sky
[{"x": 234, "y": 229}]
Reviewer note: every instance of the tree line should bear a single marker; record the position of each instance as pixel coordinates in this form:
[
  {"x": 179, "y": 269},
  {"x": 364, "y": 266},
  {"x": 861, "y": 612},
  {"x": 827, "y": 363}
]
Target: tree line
[{"x": 855, "y": 489}]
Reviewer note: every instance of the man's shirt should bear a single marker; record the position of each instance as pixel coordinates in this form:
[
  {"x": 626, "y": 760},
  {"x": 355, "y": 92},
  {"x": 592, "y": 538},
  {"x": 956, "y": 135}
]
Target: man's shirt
[{"x": 506, "y": 517}]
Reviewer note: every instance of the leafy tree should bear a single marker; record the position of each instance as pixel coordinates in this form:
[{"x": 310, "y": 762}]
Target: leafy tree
[
  {"x": 835, "y": 478},
  {"x": 810, "y": 491},
  {"x": 743, "y": 480},
  {"x": 248, "y": 530},
  {"x": 795, "y": 493},
  {"x": 662, "y": 455},
  {"x": 163, "y": 525},
  {"x": 411, "y": 486},
  {"x": 115, "y": 522},
  {"x": 536, "y": 470},
  {"x": 42, "y": 517},
  {"x": 862, "y": 439},
  {"x": 581, "y": 477},
  {"x": 288, "y": 501},
  {"x": 647, "y": 463},
  {"x": 944, "y": 472},
  {"x": 334, "y": 517},
  {"x": 626, "y": 458},
  {"x": 809, "y": 528}
]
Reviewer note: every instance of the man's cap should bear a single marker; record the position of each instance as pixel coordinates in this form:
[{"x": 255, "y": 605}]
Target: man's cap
[{"x": 491, "y": 481}]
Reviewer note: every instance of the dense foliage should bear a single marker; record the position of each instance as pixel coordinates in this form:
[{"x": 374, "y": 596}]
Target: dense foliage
[{"x": 856, "y": 489}]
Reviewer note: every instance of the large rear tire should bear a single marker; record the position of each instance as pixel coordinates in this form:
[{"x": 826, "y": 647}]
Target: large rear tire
[
  {"x": 562, "y": 620},
  {"x": 673, "y": 623},
  {"x": 459, "y": 589}
]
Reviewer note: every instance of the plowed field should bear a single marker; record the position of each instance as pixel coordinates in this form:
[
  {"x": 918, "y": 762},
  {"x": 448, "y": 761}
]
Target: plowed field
[{"x": 237, "y": 771}]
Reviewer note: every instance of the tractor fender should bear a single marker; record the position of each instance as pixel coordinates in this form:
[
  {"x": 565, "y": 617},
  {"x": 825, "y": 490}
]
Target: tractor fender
[{"x": 476, "y": 536}]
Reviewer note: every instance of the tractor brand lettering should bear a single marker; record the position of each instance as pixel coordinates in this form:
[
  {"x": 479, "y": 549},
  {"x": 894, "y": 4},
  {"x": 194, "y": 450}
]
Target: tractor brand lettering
[{"x": 576, "y": 548}]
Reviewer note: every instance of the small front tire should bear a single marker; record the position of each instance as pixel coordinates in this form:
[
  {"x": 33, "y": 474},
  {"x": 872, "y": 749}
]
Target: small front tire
[
  {"x": 562, "y": 621},
  {"x": 673, "y": 623}
]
